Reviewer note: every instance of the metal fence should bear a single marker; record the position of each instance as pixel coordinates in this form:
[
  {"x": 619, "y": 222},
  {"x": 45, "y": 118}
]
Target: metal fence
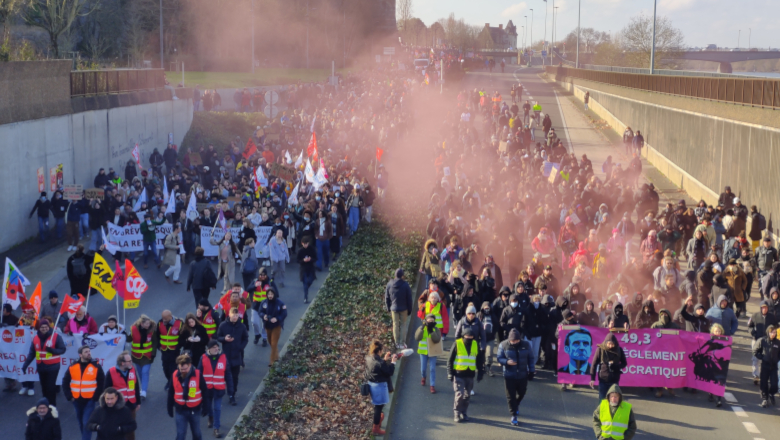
[
  {"x": 756, "y": 92},
  {"x": 104, "y": 82},
  {"x": 662, "y": 71}
]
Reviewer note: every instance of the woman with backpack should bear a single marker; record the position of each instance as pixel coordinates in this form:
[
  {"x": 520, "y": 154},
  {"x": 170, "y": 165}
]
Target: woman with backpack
[{"x": 79, "y": 268}]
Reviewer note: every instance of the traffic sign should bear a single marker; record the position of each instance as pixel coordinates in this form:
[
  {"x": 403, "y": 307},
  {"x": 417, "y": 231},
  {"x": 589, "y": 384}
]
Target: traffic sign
[
  {"x": 271, "y": 97},
  {"x": 271, "y": 111},
  {"x": 544, "y": 54}
]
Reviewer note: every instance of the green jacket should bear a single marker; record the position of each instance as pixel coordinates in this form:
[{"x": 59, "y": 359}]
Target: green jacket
[
  {"x": 630, "y": 432},
  {"x": 147, "y": 231}
]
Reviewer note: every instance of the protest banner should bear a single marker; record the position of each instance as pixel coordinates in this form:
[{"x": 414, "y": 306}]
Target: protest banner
[
  {"x": 502, "y": 146},
  {"x": 73, "y": 192},
  {"x": 53, "y": 179},
  {"x": 656, "y": 358},
  {"x": 41, "y": 179},
  {"x": 94, "y": 193},
  {"x": 282, "y": 171},
  {"x": 210, "y": 250},
  {"x": 129, "y": 239},
  {"x": 15, "y": 346}
]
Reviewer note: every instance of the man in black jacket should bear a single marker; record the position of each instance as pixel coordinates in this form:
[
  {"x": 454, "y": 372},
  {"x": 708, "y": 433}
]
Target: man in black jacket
[
  {"x": 307, "y": 256},
  {"x": 514, "y": 316},
  {"x": 234, "y": 337},
  {"x": 757, "y": 326},
  {"x": 398, "y": 300},
  {"x": 186, "y": 395},
  {"x": 466, "y": 360},
  {"x": 201, "y": 278},
  {"x": 169, "y": 157},
  {"x": 112, "y": 419},
  {"x": 767, "y": 350},
  {"x": 43, "y": 206}
]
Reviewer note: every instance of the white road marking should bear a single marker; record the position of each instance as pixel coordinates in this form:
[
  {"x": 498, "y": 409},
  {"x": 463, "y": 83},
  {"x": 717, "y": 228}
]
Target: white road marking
[
  {"x": 730, "y": 398},
  {"x": 570, "y": 146},
  {"x": 751, "y": 428},
  {"x": 739, "y": 411},
  {"x": 758, "y": 439}
]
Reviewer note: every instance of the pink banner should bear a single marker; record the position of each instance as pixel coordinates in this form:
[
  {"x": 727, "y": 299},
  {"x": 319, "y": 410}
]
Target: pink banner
[{"x": 656, "y": 358}]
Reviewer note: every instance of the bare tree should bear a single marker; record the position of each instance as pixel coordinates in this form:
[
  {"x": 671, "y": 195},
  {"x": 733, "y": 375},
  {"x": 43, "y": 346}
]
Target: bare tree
[
  {"x": 403, "y": 14},
  {"x": 8, "y": 8},
  {"x": 608, "y": 54},
  {"x": 637, "y": 40},
  {"x": 56, "y": 17}
]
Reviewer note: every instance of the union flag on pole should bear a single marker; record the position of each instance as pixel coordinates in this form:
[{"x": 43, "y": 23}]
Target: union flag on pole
[
  {"x": 135, "y": 286},
  {"x": 137, "y": 156},
  {"x": 70, "y": 305},
  {"x": 118, "y": 280},
  {"x": 311, "y": 151},
  {"x": 379, "y": 153},
  {"x": 249, "y": 149}
]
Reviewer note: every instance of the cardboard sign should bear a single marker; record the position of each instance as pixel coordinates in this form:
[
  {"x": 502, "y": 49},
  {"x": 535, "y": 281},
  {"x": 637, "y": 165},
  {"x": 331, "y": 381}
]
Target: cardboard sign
[
  {"x": 272, "y": 137},
  {"x": 502, "y": 146},
  {"x": 282, "y": 171},
  {"x": 195, "y": 159},
  {"x": 553, "y": 175},
  {"x": 94, "y": 193},
  {"x": 73, "y": 192}
]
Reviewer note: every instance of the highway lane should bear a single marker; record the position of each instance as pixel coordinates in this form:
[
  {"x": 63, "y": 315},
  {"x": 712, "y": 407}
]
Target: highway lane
[{"x": 547, "y": 412}]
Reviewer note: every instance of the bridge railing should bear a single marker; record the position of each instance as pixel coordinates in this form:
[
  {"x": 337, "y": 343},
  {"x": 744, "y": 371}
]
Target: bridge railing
[
  {"x": 755, "y": 92},
  {"x": 104, "y": 82},
  {"x": 661, "y": 71}
]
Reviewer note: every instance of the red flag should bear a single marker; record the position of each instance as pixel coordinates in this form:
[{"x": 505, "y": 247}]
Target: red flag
[
  {"x": 379, "y": 153},
  {"x": 35, "y": 300},
  {"x": 250, "y": 149},
  {"x": 70, "y": 305},
  {"x": 311, "y": 151},
  {"x": 135, "y": 286},
  {"x": 118, "y": 282}
]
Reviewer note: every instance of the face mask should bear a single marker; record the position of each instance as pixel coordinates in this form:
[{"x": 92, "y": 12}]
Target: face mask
[
  {"x": 473, "y": 231},
  {"x": 514, "y": 304},
  {"x": 286, "y": 217},
  {"x": 536, "y": 305},
  {"x": 618, "y": 312},
  {"x": 318, "y": 198},
  {"x": 307, "y": 218},
  {"x": 458, "y": 217},
  {"x": 43, "y": 199},
  {"x": 338, "y": 193}
]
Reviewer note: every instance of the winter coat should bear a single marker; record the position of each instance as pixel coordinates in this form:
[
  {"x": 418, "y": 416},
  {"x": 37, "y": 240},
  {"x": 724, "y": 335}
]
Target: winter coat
[
  {"x": 197, "y": 349},
  {"x": 737, "y": 281},
  {"x": 240, "y": 336},
  {"x": 58, "y": 349},
  {"x": 476, "y": 327},
  {"x": 645, "y": 319},
  {"x": 765, "y": 257},
  {"x": 537, "y": 321},
  {"x": 591, "y": 319},
  {"x": 231, "y": 259},
  {"x": 228, "y": 374},
  {"x": 398, "y": 296},
  {"x": 171, "y": 249},
  {"x": 759, "y": 322},
  {"x": 576, "y": 301},
  {"x": 608, "y": 363},
  {"x": 430, "y": 263},
  {"x": 112, "y": 423},
  {"x": 270, "y": 309},
  {"x": 725, "y": 317},
  {"x": 451, "y": 372},
  {"x": 630, "y": 431},
  {"x": 721, "y": 287},
  {"x": 47, "y": 428},
  {"x": 660, "y": 324},
  {"x": 197, "y": 278},
  {"x": 768, "y": 352},
  {"x": 617, "y": 317},
  {"x": 100, "y": 379},
  {"x": 378, "y": 370},
  {"x": 694, "y": 322},
  {"x": 523, "y": 356},
  {"x": 514, "y": 317}
]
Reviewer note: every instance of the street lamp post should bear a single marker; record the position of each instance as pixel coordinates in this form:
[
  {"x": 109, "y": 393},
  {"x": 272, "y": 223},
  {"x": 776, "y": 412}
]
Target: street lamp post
[
  {"x": 162, "y": 64},
  {"x": 253, "y": 36},
  {"x": 532, "y": 29},
  {"x": 522, "y": 39},
  {"x": 579, "y": 11},
  {"x": 652, "y": 49},
  {"x": 525, "y": 33},
  {"x": 544, "y": 39}
]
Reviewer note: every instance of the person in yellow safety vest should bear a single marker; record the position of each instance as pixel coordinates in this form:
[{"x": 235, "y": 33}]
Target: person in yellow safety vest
[
  {"x": 83, "y": 385},
  {"x": 614, "y": 418},
  {"x": 537, "y": 108},
  {"x": 186, "y": 397},
  {"x": 144, "y": 342},
  {"x": 429, "y": 346},
  {"x": 258, "y": 291},
  {"x": 168, "y": 333},
  {"x": 208, "y": 317},
  {"x": 466, "y": 361}
]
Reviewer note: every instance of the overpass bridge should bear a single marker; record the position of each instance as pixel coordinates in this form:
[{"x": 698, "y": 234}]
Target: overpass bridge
[{"x": 725, "y": 58}]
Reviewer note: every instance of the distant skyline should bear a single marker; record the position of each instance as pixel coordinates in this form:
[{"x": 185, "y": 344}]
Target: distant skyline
[{"x": 703, "y": 22}]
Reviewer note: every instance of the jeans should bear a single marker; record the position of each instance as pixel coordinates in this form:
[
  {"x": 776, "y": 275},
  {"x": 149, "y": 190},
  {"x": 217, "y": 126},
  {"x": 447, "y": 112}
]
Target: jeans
[
  {"x": 174, "y": 270},
  {"x": 323, "y": 253},
  {"x": 535, "y": 342},
  {"x": 257, "y": 325},
  {"x": 95, "y": 240},
  {"x": 354, "y": 218},
  {"x": 214, "y": 405},
  {"x": 279, "y": 269},
  {"x": 308, "y": 279},
  {"x": 603, "y": 389},
  {"x": 150, "y": 247},
  {"x": 247, "y": 278},
  {"x": 369, "y": 211},
  {"x": 586, "y": 106},
  {"x": 83, "y": 411},
  {"x": 59, "y": 225},
  {"x": 43, "y": 228},
  {"x": 184, "y": 418},
  {"x": 83, "y": 225},
  {"x": 428, "y": 363},
  {"x": 143, "y": 374}
]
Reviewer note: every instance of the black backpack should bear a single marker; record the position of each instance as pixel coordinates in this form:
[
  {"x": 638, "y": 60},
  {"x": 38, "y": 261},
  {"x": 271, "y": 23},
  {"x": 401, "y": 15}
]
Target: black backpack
[
  {"x": 79, "y": 267},
  {"x": 761, "y": 221}
]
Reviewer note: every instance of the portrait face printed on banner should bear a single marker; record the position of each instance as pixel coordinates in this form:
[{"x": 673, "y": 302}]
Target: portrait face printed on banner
[{"x": 578, "y": 345}]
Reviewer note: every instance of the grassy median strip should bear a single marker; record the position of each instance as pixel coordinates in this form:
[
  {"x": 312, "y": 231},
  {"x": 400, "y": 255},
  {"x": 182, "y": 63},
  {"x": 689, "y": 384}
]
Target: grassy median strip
[{"x": 314, "y": 391}]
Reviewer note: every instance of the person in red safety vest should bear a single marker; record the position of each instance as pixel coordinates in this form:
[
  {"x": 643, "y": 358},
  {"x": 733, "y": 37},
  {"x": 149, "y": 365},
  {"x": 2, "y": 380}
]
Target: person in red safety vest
[
  {"x": 185, "y": 397},
  {"x": 46, "y": 349},
  {"x": 215, "y": 368},
  {"x": 125, "y": 379}
]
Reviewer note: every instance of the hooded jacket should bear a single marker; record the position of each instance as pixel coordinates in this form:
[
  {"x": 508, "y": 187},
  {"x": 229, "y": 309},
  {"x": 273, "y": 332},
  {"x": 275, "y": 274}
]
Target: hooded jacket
[
  {"x": 617, "y": 318},
  {"x": 586, "y": 318},
  {"x": 112, "y": 423},
  {"x": 630, "y": 431},
  {"x": 524, "y": 299},
  {"x": 694, "y": 322},
  {"x": 576, "y": 300},
  {"x": 608, "y": 363},
  {"x": 768, "y": 351},
  {"x": 476, "y": 327},
  {"x": 722, "y": 288},
  {"x": 497, "y": 308},
  {"x": 645, "y": 319},
  {"x": 634, "y": 307},
  {"x": 46, "y": 428},
  {"x": 557, "y": 314},
  {"x": 521, "y": 354},
  {"x": 515, "y": 317},
  {"x": 759, "y": 322},
  {"x": 667, "y": 323},
  {"x": 538, "y": 320},
  {"x": 723, "y": 316},
  {"x": 435, "y": 346},
  {"x": 273, "y": 308}
]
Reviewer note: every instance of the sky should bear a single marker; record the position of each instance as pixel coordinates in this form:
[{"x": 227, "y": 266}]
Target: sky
[{"x": 703, "y": 22}]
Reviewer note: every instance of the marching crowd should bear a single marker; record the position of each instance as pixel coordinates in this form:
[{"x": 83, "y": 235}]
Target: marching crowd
[
  {"x": 603, "y": 254},
  {"x": 202, "y": 353}
]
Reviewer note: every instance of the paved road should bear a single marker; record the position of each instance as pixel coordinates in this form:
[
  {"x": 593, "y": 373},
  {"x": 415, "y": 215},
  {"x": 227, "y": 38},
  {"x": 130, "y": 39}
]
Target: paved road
[
  {"x": 153, "y": 420},
  {"x": 548, "y": 413}
]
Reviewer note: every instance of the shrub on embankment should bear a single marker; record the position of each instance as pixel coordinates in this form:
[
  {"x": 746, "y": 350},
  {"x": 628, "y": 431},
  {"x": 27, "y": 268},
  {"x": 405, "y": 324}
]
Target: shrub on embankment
[{"x": 313, "y": 392}]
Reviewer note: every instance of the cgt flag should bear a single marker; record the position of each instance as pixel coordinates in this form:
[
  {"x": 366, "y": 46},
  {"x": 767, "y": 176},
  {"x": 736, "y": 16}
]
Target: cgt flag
[
  {"x": 101, "y": 277},
  {"x": 135, "y": 286}
]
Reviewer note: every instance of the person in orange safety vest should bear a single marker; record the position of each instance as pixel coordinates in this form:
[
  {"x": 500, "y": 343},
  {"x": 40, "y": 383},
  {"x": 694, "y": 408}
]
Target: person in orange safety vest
[{"x": 83, "y": 385}]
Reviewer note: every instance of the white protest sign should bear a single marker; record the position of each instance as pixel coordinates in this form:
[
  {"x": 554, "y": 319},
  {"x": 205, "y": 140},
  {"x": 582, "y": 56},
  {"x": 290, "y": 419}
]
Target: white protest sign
[
  {"x": 210, "y": 250},
  {"x": 129, "y": 239}
]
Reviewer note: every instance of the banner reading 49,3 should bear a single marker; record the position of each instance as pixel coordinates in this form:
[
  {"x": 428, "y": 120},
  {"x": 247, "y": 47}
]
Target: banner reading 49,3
[{"x": 656, "y": 358}]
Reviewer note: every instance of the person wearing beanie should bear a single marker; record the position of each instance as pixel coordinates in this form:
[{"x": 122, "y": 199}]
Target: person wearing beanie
[
  {"x": 767, "y": 350},
  {"x": 259, "y": 291},
  {"x": 82, "y": 385},
  {"x": 43, "y": 206},
  {"x": 517, "y": 359},
  {"x": 757, "y": 326},
  {"x": 51, "y": 309},
  {"x": 398, "y": 301},
  {"x": 429, "y": 346},
  {"x": 43, "y": 422},
  {"x": 614, "y": 418},
  {"x": 470, "y": 320},
  {"x": 46, "y": 349},
  {"x": 464, "y": 363},
  {"x": 111, "y": 326},
  {"x": 216, "y": 368},
  {"x": 207, "y": 317}
]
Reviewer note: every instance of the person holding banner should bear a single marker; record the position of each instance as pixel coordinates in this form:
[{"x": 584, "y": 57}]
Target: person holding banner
[
  {"x": 608, "y": 364},
  {"x": 614, "y": 418},
  {"x": 83, "y": 385},
  {"x": 46, "y": 349}
]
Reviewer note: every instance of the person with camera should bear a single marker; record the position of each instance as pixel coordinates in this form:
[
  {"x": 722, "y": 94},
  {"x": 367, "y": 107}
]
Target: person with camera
[
  {"x": 379, "y": 372},
  {"x": 608, "y": 364}
]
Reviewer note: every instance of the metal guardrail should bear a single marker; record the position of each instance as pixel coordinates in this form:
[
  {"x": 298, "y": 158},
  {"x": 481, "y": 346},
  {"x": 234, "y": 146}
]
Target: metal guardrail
[
  {"x": 662, "y": 71},
  {"x": 104, "y": 82},
  {"x": 756, "y": 92}
]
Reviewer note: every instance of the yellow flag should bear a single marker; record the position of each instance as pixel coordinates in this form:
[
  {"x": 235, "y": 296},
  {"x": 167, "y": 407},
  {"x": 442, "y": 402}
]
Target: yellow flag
[{"x": 101, "y": 278}]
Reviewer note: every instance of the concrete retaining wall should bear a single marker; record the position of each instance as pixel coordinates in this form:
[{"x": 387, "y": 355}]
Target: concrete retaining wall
[
  {"x": 700, "y": 153},
  {"x": 83, "y": 143}
]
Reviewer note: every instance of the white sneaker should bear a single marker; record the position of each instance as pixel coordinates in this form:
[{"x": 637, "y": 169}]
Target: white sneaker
[
  {"x": 472, "y": 392},
  {"x": 71, "y": 248},
  {"x": 31, "y": 392},
  {"x": 23, "y": 391}
]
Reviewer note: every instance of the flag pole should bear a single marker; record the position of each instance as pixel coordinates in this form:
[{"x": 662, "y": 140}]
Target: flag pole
[
  {"x": 58, "y": 320},
  {"x": 88, "y": 295},
  {"x": 117, "y": 307}
]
